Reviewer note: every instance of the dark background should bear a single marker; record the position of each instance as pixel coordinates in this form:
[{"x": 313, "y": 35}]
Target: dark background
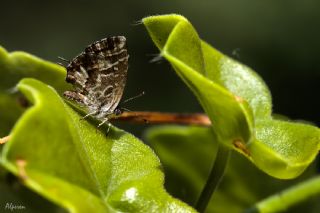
[{"x": 278, "y": 39}]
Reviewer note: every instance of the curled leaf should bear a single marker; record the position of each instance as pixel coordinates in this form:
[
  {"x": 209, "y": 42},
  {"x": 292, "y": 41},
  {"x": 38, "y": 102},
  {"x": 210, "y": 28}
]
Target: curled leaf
[{"x": 236, "y": 100}]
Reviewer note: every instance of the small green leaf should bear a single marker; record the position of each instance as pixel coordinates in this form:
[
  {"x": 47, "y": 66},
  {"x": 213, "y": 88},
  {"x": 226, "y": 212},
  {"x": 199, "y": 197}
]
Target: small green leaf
[
  {"x": 15, "y": 66},
  {"x": 73, "y": 164},
  {"x": 10, "y": 111},
  {"x": 236, "y": 100},
  {"x": 187, "y": 154}
]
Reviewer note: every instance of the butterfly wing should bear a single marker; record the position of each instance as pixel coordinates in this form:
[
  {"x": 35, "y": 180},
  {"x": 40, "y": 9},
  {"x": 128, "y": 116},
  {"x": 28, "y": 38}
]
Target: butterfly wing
[{"x": 99, "y": 75}]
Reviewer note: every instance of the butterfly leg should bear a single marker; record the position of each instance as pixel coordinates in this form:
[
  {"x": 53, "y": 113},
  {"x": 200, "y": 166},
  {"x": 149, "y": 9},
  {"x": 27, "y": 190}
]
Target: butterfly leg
[
  {"x": 109, "y": 125},
  {"x": 103, "y": 122},
  {"x": 89, "y": 114},
  {"x": 106, "y": 120}
]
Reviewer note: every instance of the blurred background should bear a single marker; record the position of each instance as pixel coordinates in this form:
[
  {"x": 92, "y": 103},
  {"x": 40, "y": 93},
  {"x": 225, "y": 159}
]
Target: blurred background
[{"x": 278, "y": 39}]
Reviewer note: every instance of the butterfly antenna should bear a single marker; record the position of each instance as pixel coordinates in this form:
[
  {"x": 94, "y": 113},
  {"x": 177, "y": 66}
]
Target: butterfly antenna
[
  {"x": 134, "y": 97},
  {"x": 61, "y": 64},
  {"x": 157, "y": 58},
  {"x": 126, "y": 109},
  {"x": 63, "y": 59}
]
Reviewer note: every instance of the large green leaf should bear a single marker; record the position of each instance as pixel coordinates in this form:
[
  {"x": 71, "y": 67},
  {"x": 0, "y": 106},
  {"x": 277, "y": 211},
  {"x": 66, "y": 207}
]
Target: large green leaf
[
  {"x": 73, "y": 164},
  {"x": 187, "y": 154},
  {"x": 181, "y": 46},
  {"x": 236, "y": 100}
]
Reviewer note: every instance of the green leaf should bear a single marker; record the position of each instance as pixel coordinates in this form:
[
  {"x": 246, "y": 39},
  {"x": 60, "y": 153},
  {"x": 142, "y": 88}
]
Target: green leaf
[
  {"x": 73, "y": 164},
  {"x": 15, "y": 66},
  {"x": 181, "y": 46},
  {"x": 284, "y": 149},
  {"x": 236, "y": 100},
  {"x": 16, "y": 194},
  {"x": 238, "y": 79},
  {"x": 10, "y": 111},
  {"x": 187, "y": 154}
]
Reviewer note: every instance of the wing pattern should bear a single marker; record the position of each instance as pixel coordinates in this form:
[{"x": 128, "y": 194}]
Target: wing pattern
[{"x": 99, "y": 76}]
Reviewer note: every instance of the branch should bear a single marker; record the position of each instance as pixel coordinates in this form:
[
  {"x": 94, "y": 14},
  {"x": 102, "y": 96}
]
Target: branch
[
  {"x": 163, "y": 118},
  {"x": 215, "y": 177},
  {"x": 4, "y": 139}
]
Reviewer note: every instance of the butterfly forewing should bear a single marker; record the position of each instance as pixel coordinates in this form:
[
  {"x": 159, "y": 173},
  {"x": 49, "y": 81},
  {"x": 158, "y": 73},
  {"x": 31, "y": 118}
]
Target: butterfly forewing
[{"x": 99, "y": 76}]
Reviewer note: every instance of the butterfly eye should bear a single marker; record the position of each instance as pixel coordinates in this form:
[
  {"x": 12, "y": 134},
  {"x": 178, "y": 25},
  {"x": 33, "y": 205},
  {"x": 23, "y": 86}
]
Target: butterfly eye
[
  {"x": 70, "y": 79},
  {"x": 117, "y": 111}
]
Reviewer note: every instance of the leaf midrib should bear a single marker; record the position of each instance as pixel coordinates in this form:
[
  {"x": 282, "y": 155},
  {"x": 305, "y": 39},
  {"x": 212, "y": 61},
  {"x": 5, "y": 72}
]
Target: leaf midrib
[{"x": 85, "y": 161}]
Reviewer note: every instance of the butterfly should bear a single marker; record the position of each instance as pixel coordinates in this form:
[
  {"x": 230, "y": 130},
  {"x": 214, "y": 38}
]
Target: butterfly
[{"x": 99, "y": 76}]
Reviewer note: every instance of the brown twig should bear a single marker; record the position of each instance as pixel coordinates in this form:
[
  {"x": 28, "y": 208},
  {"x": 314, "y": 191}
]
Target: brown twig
[
  {"x": 21, "y": 164},
  {"x": 141, "y": 117},
  {"x": 164, "y": 118},
  {"x": 4, "y": 139}
]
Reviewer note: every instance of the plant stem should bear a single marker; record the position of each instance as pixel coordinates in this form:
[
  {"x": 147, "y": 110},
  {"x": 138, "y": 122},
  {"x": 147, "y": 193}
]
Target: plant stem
[
  {"x": 214, "y": 178},
  {"x": 4, "y": 139},
  {"x": 289, "y": 197},
  {"x": 161, "y": 118}
]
